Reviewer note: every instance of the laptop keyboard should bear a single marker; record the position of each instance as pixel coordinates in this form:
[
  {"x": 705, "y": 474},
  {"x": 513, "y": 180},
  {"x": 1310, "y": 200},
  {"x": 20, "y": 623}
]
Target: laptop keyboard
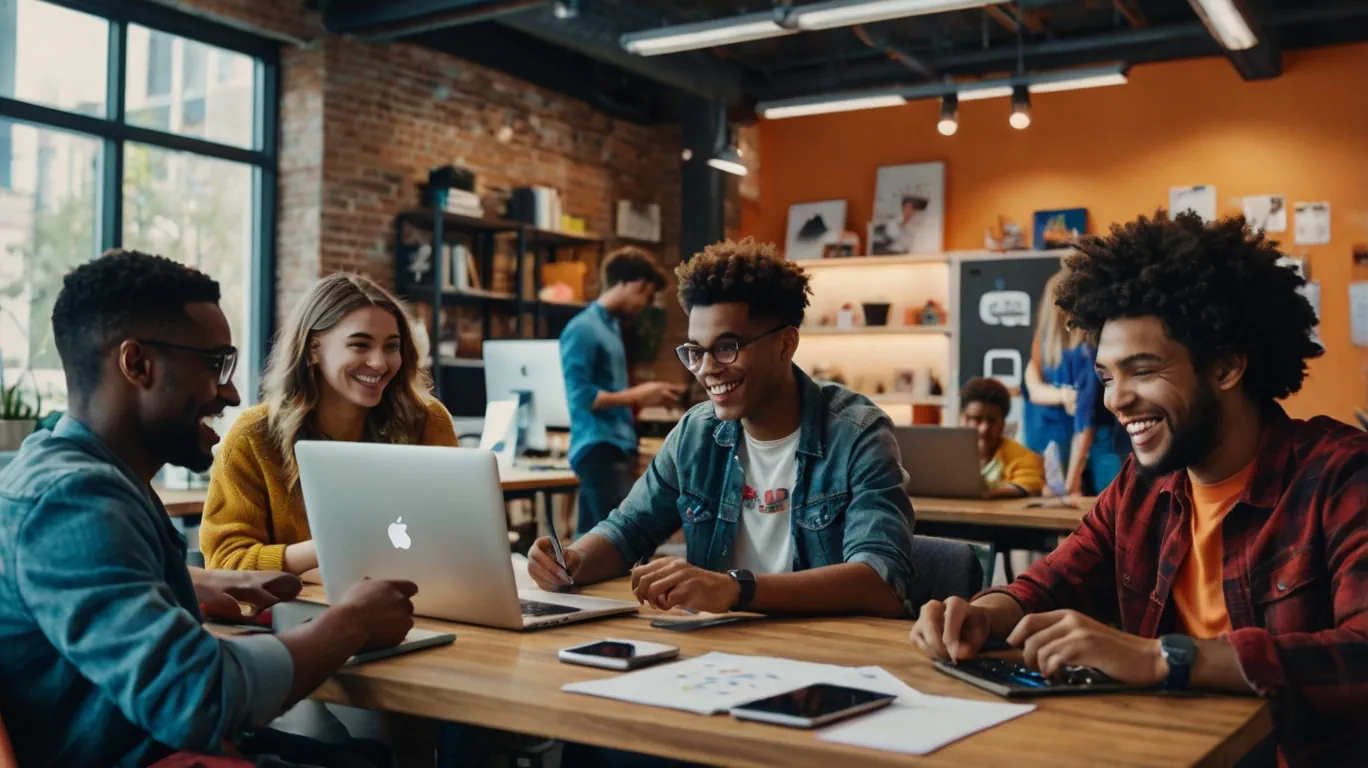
[{"x": 535, "y": 609}]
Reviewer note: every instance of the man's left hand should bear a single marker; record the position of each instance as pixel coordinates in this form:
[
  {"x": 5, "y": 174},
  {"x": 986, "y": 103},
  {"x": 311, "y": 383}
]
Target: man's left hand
[
  {"x": 221, "y": 593},
  {"x": 672, "y": 583},
  {"x": 1051, "y": 640}
]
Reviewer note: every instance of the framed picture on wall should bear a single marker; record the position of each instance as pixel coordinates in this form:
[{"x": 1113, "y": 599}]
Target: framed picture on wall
[
  {"x": 811, "y": 226},
  {"x": 1059, "y": 229},
  {"x": 909, "y": 210}
]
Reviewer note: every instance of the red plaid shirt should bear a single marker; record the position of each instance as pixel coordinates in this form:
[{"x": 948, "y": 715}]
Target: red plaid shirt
[{"x": 1294, "y": 574}]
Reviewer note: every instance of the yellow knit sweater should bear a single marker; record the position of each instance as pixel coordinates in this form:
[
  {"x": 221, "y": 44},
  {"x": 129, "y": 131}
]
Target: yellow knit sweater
[{"x": 251, "y": 514}]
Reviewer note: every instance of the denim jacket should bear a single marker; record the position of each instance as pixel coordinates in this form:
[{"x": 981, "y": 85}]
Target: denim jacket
[
  {"x": 848, "y": 504},
  {"x": 105, "y": 662}
]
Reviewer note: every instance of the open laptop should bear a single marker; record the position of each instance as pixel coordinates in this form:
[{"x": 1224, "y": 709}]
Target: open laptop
[
  {"x": 430, "y": 515},
  {"x": 941, "y": 462}
]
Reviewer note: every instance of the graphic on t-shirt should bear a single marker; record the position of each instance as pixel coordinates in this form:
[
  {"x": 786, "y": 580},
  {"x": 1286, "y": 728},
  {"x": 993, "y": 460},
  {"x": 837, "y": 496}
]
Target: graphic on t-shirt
[{"x": 776, "y": 500}]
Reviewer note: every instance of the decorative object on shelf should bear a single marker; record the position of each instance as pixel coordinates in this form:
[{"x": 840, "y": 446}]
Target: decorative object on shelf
[
  {"x": 936, "y": 389},
  {"x": 19, "y": 412},
  {"x": 845, "y": 319},
  {"x": 825, "y": 321},
  {"x": 875, "y": 313},
  {"x": 573, "y": 225},
  {"x": 909, "y": 210},
  {"x": 458, "y": 187},
  {"x": 1059, "y": 229},
  {"x": 538, "y": 206},
  {"x": 828, "y": 372},
  {"x": 811, "y": 226},
  {"x": 557, "y": 292},
  {"x": 905, "y": 380},
  {"x": 838, "y": 250},
  {"x": 1266, "y": 213},
  {"x": 638, "y": 221},
  {"x": 568, "y": 273},
  {"x": 1200, "y": 199},
  {"x": 1007, "y": 237},
  {"x": 932, "y": 313}
]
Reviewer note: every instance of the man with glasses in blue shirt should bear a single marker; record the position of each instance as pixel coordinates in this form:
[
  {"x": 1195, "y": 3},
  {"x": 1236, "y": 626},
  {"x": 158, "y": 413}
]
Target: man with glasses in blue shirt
[
  {"x": 106, "y": 661},
  {"x": 603, "y": 439},
  {"x": 789, "y": 492}
]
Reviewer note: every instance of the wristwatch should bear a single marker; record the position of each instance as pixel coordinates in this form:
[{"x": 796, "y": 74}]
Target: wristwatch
[
  {"x": 746, "y": 580},
  {"x": 1180, "y": 652}
]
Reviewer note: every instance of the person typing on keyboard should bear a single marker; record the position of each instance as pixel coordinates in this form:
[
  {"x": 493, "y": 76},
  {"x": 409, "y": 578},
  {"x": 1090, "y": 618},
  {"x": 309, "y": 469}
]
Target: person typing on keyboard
[
  {"x": 1230, "y": 553},
  {"x": 789, "y": 491}
]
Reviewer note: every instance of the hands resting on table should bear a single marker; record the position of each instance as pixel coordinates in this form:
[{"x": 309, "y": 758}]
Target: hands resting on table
[{"x": 668, "y": 583}]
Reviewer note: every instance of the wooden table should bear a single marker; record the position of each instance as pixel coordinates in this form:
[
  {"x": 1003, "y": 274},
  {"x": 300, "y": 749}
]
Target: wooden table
[
  {"x": 511, "y": 681},
  {"x": 1002, "y": 513}
]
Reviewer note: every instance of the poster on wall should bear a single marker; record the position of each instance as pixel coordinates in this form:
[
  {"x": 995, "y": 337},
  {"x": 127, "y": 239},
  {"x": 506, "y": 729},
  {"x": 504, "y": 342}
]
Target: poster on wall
[
  {"x": 1313, "y": 223},
  {"x": 638, "y": 221},
  {"x": 1358, "y": 313},
  {"x": 909, "y": 210},
  {"x": 1200, "y": 199},
  {"x": 811, "y": 226},
  {"x": 1059, "y": 229},
  {"x": 1266, "y": 213}
]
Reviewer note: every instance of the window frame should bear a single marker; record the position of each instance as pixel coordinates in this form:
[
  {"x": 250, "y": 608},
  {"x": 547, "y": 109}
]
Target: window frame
[{"x": 115, "y": 133}]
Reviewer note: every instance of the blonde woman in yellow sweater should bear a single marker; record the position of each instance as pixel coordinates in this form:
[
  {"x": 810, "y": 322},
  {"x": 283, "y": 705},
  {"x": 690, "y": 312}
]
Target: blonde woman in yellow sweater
[{"x": 345, "y": 367}]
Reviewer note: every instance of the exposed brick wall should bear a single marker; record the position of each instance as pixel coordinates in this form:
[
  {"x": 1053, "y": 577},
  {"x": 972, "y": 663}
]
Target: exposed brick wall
[{"x": 362, "y": 123}]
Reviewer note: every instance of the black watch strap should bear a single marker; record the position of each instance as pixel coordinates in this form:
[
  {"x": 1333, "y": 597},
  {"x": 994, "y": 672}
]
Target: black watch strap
[
  {"x": 746, "y": 580},
  {"x": 1180, "y": 652}
]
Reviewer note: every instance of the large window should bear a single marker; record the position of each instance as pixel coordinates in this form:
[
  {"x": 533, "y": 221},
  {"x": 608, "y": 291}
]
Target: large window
[{"x": 130, "y": 125}]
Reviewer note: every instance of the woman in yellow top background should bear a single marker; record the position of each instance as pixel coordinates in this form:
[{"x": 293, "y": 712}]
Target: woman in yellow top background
[{"x": 345, "y": 367}]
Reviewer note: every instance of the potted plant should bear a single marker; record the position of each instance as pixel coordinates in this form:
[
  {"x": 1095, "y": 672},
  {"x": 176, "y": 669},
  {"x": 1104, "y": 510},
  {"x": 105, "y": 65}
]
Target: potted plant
[{"x": 18, "y": 416}]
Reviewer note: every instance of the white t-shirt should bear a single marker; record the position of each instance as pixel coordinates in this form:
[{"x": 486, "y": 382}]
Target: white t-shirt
[{"x": 764, "y": 540}]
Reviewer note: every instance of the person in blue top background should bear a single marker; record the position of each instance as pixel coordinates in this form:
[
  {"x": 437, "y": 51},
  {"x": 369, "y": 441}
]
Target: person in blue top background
[
  {"x": 1063, "y": 402},
  {"x": 603, "y": 439}
]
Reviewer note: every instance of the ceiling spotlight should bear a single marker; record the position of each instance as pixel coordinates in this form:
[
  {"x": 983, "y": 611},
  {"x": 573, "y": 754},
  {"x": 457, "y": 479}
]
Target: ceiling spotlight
[
  {"x": 686, "y": 155},
  {"x": 566, "y": 9},
  {"x": 1021, "y": 108},
  {"x": 949, "y": 115},
  {"x": 728, "y": 160}
]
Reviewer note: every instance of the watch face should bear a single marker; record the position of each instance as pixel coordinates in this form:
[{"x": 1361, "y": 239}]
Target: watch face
[{"x": 1178, "y": 649}]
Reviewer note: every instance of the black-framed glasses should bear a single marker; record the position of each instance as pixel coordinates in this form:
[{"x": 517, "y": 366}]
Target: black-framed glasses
[
  {"x": 724, "y": 351},
  {"x": 223, "y": 360}
]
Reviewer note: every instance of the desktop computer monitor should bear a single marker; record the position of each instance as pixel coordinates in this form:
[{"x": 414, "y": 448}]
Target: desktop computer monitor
[{"x": 529, "y": 372}]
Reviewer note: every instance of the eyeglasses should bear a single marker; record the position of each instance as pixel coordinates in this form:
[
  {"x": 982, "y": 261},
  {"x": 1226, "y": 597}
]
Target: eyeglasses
[
  {"x": 724, "y": 351},
  {"x": 222, "y": 361}
]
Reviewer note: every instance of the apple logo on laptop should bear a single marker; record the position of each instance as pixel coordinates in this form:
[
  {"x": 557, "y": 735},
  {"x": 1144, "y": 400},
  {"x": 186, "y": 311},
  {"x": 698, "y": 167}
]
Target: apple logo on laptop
[{"x": 398, "y": 533}]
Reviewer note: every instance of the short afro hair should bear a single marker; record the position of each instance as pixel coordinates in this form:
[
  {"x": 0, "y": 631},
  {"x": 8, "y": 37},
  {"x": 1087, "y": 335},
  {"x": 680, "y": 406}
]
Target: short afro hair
[
  {"x": 630, "y": 264},
  {"x": 988, "y": 391},
  {"x": 1218, "y": 288},
  {"x": 747, "y": 272},
  {"x": 118, "y": 296}
]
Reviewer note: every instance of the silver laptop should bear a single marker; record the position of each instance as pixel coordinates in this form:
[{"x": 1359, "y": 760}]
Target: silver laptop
[
  {"x": 430, "y": 515},
  {"x": 941, "y": 461}
]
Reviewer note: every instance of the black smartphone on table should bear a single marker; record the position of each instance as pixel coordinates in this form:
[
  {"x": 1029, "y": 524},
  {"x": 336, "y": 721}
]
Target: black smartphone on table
[{"x": 813, "y": 706}]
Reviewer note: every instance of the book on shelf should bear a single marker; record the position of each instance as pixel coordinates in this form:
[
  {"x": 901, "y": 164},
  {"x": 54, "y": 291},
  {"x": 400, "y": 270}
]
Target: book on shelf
[{"x": 538, "y": 206}]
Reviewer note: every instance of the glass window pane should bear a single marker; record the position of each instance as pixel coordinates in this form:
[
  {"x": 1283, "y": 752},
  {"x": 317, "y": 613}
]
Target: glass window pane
[
  {"x": 198, "y": 211},
  {"x": 49, "y": 218},
  {"x": 53, "y": 56},
  {"x": 169, "y": 88}
]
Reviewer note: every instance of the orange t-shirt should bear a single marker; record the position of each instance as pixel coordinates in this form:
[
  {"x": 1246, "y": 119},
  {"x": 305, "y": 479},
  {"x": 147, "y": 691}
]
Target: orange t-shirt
[{"x": 1197, "y": 594}]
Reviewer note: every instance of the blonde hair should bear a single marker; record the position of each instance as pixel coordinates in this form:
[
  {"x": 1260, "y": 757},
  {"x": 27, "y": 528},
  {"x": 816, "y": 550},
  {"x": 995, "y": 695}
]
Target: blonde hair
[
  {"x": 292, "y": 383},
  {"x": 1054, "y": 334}
]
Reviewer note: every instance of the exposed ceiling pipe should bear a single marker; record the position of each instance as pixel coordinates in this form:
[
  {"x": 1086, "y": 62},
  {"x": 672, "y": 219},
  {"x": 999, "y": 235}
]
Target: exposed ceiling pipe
[
  {"x": 894, "y": 52},
  {"x": 396, "y": 20}
]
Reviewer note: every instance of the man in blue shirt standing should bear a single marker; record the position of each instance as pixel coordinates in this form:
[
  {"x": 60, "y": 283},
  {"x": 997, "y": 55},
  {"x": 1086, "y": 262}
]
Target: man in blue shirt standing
[
  {"x": 106, "y": 661},
  {"x": 603, "y": 440}
]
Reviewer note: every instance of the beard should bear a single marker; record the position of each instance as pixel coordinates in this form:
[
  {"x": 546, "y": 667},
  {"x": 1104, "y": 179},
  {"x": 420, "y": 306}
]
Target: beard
[
  {"x": 186, "y": 452},
  {"x": 1192, "y": 440}
]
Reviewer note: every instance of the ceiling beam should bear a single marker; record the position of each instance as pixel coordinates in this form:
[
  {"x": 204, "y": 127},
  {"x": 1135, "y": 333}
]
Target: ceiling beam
[
  {"x": 394, "y": 19},
  {"x": 1133, "y": 15}
]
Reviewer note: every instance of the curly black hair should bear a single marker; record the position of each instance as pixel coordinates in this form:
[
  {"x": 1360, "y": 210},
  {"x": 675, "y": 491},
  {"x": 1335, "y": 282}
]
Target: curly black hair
[
  {"x": 748, "y": 272},
  {"x": 981, "y": 389},
  {"x": 120, "y": 295},
  {"x": 630, "y": 264},
  {"x": 1217, "y": 287}
]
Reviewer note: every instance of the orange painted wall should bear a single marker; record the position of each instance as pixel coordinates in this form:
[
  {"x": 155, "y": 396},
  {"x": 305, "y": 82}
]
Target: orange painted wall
[{"x": 1116, "y": 151}]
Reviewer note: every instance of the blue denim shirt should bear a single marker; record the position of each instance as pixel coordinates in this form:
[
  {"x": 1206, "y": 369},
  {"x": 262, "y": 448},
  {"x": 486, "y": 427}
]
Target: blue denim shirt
[
  {"x": 104, "y": 656},
  {"x": 594, "y": 360},
  {"x": 848, "y": 504}
]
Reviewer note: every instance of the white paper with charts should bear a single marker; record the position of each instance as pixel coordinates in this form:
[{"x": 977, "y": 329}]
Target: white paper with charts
[{"x": 716, "y": 682}]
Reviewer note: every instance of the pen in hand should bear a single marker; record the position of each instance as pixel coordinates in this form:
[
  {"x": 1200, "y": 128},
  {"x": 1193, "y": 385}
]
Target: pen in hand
[{"x": 556, "y": 547}]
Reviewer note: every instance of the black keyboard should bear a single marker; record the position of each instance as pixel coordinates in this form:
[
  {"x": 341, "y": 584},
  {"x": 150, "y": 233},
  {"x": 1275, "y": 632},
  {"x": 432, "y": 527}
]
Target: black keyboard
[
  {"x": 535, "y": 609},
  {"x": 1016, "y": 673}
]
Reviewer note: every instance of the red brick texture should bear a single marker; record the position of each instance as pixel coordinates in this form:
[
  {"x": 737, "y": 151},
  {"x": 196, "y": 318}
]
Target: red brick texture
[{"x": 362, "y": 123}]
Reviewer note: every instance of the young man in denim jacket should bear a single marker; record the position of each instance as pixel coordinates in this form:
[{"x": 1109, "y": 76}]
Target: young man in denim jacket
[{"x": 789, "y": 492}]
